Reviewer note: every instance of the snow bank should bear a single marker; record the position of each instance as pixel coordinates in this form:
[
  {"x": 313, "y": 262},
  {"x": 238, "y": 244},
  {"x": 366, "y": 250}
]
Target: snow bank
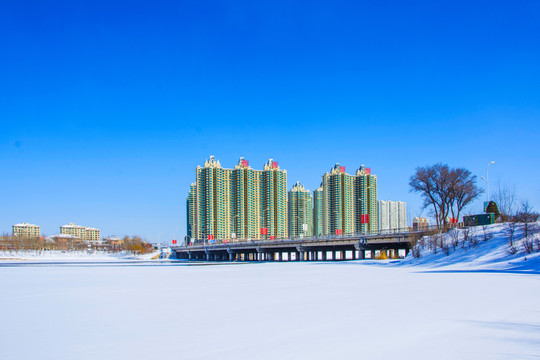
[
  {"x": 479, "y": 247},
  {"x": 32, "y": 255}
]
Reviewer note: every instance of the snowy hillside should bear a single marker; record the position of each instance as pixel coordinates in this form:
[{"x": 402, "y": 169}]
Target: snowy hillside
[{"x": 488, "y": 247}]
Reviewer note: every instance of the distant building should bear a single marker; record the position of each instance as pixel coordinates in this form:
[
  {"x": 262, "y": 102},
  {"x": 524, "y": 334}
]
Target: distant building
[
  {"x": 113, "y": 241},
  {"x": 318, "y": 219},
  {"x": 392, "y": 215},
  {"x": 81, "y": 232},
  {"x": 300, "y": 212},
  {"x": 349, "y": 202},
  {"x": 26, "y": 230},
  {"x": 241, "y": 203},
  {"x": 420, "y": 223}
]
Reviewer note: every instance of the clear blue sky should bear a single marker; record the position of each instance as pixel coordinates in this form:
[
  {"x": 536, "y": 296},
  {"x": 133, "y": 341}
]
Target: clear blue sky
[{"x": 106, "y": 108}]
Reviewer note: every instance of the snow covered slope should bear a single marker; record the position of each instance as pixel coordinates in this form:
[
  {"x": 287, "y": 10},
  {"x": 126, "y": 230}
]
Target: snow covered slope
[{"x": 479, "y": 247}]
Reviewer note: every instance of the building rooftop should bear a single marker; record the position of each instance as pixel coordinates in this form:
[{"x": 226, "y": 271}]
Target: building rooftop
[{"x": 25, "y": 224}]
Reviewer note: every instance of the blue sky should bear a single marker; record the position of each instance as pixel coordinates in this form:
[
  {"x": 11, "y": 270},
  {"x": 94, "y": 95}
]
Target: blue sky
[{"x": 106, "y": 108}]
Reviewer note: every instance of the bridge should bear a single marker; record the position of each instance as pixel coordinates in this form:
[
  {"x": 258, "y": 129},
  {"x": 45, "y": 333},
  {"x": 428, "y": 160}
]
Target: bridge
[{"x": 347, "y": 247}]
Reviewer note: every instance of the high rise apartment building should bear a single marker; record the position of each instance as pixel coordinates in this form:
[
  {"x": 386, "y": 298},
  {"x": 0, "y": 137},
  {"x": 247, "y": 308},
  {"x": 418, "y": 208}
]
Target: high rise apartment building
[
  {"x": 318, "y": 218},
  {"x": 241, "y": 203},
  {"x": 81, "y": 232},
  {"x": 25, "y": 230},
  {"x": 300, "y": 212},
  {"x": 349, "y": 202},
  {"x": 392, "y": 215}
]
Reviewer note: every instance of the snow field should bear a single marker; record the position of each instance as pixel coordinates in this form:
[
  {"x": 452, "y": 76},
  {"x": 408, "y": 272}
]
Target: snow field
[{"x": 268, "y": 311}]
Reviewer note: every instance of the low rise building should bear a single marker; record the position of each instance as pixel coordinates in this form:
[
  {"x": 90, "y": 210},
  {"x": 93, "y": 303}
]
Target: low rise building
[
  {"x": 26, "y": 230},
  {"x": 420, "y": 223},
  {"x": 81, "y": 232}
]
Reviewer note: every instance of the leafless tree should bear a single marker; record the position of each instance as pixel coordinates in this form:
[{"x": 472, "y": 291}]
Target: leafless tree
[
  {"x": 474, "y": 240},
  {"x": 454, "y": 238},
  {"x": 506, "y": 199},
  {"x": 486, "y": 236},
  {"x": 527, "y": 217},
  {"x": 528, "y": 245},
  {"x": 512, "y": 250},
  {"x": 510, "y": 230},
  {"x": 444, "y": 190},
  {"x": 463, "y": 190}
]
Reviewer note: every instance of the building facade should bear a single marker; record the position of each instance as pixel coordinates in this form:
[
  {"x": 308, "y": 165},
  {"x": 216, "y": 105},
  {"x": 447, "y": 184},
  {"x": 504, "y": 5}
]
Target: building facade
[
  {"x": 348, "y": 203},
  {"x": 392, "y": 215},
  {"x": 318, "y": 217},
  {"x": 300, "y": 212},
  {"x": 238, "y": 203},
  {"x": 81, "y": 232},
  {"x": 25, "y": 230},
  {"x": 420, "y": 223}
]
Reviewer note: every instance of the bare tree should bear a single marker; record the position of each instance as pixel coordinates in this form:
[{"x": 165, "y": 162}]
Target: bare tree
[
  {"x": 463, "y": 190},
  {"x": 454, "y": 238},
  {"x": 444, "y": 190},
  {"x": 526, "y": 216},
  {"x": 486, "y": 236},
  {"x": 506, "y": 199},
  {"x": 528, "y": 245},
  {"x": 510, "y": 230}
]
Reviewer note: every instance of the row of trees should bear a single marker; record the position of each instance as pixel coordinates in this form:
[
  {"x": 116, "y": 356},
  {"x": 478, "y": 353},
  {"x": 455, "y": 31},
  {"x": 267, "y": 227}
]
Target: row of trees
[
  {"x": 12, "y": 244},
  {"x": 445, "y": 190}
]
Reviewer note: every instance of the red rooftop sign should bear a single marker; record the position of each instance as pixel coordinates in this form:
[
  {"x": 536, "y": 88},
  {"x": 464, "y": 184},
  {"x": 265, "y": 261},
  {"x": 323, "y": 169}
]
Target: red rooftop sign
[
  {"x": 368, "y": 171},
  {"x": 342, "y": 169},
  {"x": 245, "y": 163},
  {"x": 274, "y": 165}
]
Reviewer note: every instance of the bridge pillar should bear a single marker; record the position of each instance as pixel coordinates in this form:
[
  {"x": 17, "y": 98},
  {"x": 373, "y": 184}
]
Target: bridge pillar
[
  {"x": 361, "y": 254},
  {"x": 299, "y": 256},
  {"x": 280, "y": 256},
  {"x": 343, "y": 255},
  {"x": 372, "y": 254},
  {"x": 323, "y": 253}
]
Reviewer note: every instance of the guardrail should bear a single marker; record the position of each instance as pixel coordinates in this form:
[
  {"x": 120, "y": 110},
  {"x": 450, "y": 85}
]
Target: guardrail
[{"x": 234, "y": 243}]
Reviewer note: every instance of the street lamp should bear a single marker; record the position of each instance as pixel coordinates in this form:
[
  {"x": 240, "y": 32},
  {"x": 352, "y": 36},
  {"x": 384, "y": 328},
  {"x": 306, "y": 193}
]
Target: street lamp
[{"x": 487, "y": 179}]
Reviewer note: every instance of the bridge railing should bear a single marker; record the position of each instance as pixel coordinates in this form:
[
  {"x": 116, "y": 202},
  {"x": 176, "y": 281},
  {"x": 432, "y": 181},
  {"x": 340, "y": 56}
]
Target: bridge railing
[{"x": 327, "y": 238}]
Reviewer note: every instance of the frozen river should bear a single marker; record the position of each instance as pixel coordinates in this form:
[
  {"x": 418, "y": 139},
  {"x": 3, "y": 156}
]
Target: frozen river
[{"x": 266, "y": 311}]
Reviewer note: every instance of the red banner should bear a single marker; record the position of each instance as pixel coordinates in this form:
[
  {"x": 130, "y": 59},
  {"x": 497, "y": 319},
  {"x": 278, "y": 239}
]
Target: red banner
[
  {"x": 264, "y": 231},
  {"x": 338, "y": 231},
  {"x": 272, "y": 237},
  {"x": 364, "y": 219},
  {"x": 210, "y": 237},
  {"x": 174, "y": 241}
]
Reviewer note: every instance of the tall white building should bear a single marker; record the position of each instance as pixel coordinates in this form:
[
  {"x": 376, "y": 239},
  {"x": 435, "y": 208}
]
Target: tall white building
[{"x": 392, "y": 215}]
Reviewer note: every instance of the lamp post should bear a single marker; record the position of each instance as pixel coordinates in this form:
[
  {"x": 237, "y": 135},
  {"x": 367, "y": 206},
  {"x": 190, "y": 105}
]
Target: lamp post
[{"x": 487, "y": 179}]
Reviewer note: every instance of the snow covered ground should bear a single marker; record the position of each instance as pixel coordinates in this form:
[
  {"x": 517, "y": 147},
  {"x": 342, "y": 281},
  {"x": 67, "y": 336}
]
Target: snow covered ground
[
  {"x": 335, "y": 310},
  {"x": 71, "y": 256}
]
